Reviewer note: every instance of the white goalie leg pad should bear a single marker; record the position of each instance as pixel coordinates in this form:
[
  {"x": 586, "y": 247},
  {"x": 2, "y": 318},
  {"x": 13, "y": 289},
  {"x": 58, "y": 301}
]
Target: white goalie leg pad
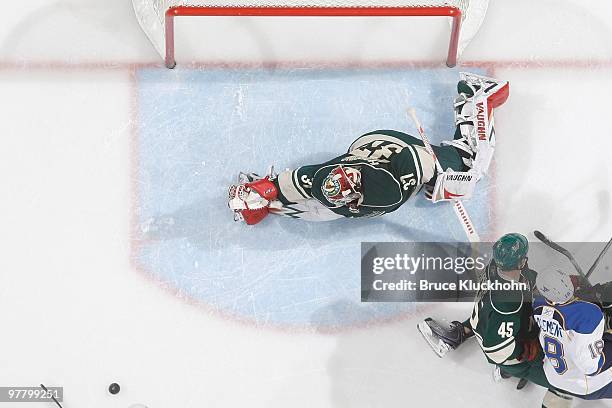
[
  {"x": 454, "y": 185},
  {"x": 473, "y": 115}
]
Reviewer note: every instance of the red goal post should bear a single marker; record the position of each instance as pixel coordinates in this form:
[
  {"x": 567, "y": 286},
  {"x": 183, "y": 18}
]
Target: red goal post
[{"x": 156, "y": 17}]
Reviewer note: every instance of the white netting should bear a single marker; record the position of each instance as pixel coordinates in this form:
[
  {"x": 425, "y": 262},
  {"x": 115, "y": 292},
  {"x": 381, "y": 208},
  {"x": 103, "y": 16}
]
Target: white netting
[{"x": 151, "y": 13}]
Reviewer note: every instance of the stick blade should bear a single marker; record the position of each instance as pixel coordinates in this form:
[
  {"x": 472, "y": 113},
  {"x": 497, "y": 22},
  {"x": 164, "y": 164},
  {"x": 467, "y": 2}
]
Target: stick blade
[{"x": 540, "y": 236}]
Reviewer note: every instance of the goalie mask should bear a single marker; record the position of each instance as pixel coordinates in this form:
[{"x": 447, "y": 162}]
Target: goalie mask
[{"x": 342, "y": 186}]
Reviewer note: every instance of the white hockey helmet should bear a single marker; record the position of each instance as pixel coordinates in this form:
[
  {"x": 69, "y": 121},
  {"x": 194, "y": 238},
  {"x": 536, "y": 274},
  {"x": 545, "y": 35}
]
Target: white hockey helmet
[{"x": 555, "y": 285}]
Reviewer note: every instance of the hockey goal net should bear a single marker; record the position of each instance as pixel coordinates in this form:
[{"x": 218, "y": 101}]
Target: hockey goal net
[{"x": 156, "y": 17}]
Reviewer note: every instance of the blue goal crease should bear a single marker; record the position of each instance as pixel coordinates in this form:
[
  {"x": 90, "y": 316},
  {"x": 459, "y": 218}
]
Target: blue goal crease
[{"x": 198, "y": 128}]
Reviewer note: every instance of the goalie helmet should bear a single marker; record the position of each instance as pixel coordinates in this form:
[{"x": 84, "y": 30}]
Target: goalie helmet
[
  {"x": 510, "y": 250},
  {"x": 555, "y": 285},
  {"x": 342, "y": 186}
]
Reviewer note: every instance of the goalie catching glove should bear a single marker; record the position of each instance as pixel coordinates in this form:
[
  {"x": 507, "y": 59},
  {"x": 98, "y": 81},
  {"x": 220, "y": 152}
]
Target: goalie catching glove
[{"x": 251, "y": 200}]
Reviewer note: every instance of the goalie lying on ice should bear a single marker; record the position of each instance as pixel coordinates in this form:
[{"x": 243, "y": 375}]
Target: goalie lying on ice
[{"x": 382, "y": 169}]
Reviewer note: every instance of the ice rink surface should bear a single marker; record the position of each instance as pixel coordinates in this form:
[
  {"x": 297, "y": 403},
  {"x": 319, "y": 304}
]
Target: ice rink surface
[
  {"x": 288, "y": 117},
  {"x": 120, "y": 260}
]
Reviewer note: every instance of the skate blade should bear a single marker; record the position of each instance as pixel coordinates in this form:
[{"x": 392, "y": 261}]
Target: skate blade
[{"x": 437, "y": 347}]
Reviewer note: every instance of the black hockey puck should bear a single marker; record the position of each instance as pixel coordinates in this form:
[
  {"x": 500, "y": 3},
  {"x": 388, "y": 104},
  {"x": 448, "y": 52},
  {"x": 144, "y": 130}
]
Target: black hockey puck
[{"x": 114, "y": 388}]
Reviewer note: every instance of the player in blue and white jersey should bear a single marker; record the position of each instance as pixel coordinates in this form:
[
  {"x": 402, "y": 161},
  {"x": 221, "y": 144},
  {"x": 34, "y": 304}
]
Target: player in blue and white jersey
[{"x": 573, "y": 336}]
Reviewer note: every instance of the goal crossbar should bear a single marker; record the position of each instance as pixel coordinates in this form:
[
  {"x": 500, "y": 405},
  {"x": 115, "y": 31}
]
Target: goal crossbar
[
  {"x": 311, "y": 11},
  {"x": 157, "y": 18}
]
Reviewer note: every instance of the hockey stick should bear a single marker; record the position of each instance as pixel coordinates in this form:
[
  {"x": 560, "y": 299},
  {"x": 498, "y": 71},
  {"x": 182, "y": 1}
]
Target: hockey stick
[
  {"x": 460, "y": 211},
  {"x": 424, "y": 138},
  {"x": 52, "y": 396},
  {"x": 562, "y": 251},
  {"x": 601, "y": 254}
]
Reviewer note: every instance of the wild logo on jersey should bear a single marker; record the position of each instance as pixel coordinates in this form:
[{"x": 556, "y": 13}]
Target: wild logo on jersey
[{"x": 331, "y": 186}]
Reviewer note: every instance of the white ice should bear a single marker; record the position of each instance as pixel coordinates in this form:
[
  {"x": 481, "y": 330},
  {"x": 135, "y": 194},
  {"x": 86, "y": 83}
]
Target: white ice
[{"x": 75, "y": 312}]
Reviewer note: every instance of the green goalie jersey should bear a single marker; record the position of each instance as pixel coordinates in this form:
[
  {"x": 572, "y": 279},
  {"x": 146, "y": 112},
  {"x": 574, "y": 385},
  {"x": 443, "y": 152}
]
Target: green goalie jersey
[
  {"x": 393, "y": 165},
  {"x": 501, "y": 319}
]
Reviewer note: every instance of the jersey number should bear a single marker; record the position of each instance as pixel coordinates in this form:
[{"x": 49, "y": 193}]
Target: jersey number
[
  {"x": 505, "y": 330},
  {"x": 596, "y": 349},
  {"x": 408, "y": 181},
  {"x": 554, "y": 351}
]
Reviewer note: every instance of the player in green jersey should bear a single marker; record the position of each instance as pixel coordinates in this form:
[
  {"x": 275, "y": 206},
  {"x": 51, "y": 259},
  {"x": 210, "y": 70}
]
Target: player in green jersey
[
  {"x": 381, "y": 169},
  {"x": 501, "y": 321}
]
